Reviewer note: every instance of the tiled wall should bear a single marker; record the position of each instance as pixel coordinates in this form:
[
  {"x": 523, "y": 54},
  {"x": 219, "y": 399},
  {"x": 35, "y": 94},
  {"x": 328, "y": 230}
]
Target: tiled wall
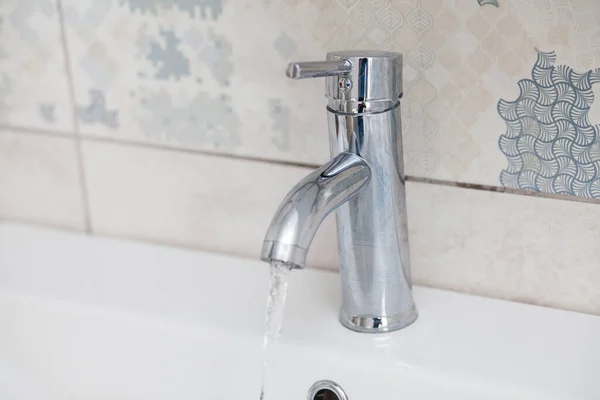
[{"x": 172, "y": 122}]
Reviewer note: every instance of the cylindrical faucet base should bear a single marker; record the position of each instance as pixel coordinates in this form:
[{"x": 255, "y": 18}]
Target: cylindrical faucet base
[{"x": 372, "y": 226}]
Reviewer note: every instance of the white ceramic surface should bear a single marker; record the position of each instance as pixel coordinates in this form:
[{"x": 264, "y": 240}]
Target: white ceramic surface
[{"x": 94, "y": 318}]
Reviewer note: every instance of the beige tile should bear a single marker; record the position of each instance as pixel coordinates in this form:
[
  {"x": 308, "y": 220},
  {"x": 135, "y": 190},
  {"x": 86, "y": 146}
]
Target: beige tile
[
  {"x": 478, "y": 61},
  {"x": 434, "y": 39},
  {"x": 510, "y": 27},
  {"x": 192, "y": 200},
  {"x": 510, "y": 65},
  {"x": 569, "y": 28},
  {"x": 448, "y": 23},
  {"x": 529, "y": 249},
  {"x": 449, "y": 59},
  {"x": 39, "y": 180},
  {"x": 494, "y": 44},
  {"x": 478, "y": 25}
]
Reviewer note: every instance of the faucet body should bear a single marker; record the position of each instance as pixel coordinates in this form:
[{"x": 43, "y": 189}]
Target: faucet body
[{"x": 367, "y": 189}]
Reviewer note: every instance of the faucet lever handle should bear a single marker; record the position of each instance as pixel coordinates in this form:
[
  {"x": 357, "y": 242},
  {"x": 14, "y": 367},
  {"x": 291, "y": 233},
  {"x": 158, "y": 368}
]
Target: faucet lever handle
[{"x": 317, "y": 69}]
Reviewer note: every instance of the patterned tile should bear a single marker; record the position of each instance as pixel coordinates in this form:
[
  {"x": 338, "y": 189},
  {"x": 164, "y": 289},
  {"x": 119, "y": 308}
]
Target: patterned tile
[
  {"x": 285, "y": 46},
  {"x": 186, "y": 74},
  {"x": 200, "y": 75},
  {"x": 570, "y": 28},
  {"x": 206, "y": 8},
  {"x": 490, "y": 2},
  {"x": 550, "y": 144},
  {"x": 208, "y": 74},
  {"x": 33, "y": 80},
  {"x": 458, "y": 58},
  {"x": 96, "y": 112}
]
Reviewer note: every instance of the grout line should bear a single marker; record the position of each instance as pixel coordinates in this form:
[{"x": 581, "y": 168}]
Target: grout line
[
  {"x": 40, "y": 223},
  {"x": 209, "y": 153},
  {"x": 37, "y": 131},
  {"x": 79, "y": 152},
  {"x": 409, "y": 178},
  {"x": 156, "y": 146},
  {"x": 500, "y": 189},
  {"x": 464, "y": 185}
]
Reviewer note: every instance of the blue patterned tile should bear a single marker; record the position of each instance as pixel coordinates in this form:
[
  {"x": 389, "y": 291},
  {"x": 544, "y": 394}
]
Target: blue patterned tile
[
  {"x": 285, "y": 45},
  {"x": 168, "y": 59},
  {"x": 489, "y": 2},
  {"x": 216, "y": 55},
  {"x": 163, "y": 77},
  {"x": 204, "y": 120},
  {"x": 96, "y": 111},
  {"x": 208, "y": 8},
  {"x": 550, "y": 144},
  {"x": 48, "y": 112}
]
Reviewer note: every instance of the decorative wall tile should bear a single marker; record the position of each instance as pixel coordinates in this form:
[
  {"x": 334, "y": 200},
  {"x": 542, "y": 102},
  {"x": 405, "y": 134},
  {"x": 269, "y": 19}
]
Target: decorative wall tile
[
  {"x": 206, "y": 8},
  {"x": 209, "y": 75},
  {"x": 198, "y": 75},
  {"x": 550, "y": 144},
  {"x": 33, "y": 81},
  {"x": 203, "y": 76},
  {"x": 96, "y": 112},
  {"x": 39, "y": 180},
  {"x": 191, "y": 200},
  {"x": 570, "y": 28},
  {"x": 489, "y": 2}
]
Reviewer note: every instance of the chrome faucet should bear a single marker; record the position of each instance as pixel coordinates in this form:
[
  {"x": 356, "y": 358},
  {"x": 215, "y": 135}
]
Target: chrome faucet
[{"x": 365, "y": 183}]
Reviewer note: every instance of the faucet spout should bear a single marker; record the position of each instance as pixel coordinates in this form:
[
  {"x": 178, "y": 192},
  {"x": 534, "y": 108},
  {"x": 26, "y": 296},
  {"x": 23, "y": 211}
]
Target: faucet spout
[{"x": 308, "y": 203}]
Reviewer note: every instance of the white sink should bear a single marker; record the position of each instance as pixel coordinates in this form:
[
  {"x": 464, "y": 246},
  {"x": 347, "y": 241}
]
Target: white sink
[{"x": 95, "y": 318}]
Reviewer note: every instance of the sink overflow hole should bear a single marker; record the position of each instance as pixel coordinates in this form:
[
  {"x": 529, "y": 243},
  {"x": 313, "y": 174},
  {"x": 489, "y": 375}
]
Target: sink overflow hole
[
  {"x": 326, "y": 390},
  {"x": 326, "y": 394}
]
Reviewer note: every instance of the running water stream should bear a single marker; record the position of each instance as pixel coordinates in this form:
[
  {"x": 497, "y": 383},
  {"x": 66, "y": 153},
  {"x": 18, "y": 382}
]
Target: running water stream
[{"x": 274, "y": 319}]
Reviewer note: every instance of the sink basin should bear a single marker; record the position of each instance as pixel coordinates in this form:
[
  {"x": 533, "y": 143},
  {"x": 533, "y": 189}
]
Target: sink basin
[{"x": 95, "y": 318}]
